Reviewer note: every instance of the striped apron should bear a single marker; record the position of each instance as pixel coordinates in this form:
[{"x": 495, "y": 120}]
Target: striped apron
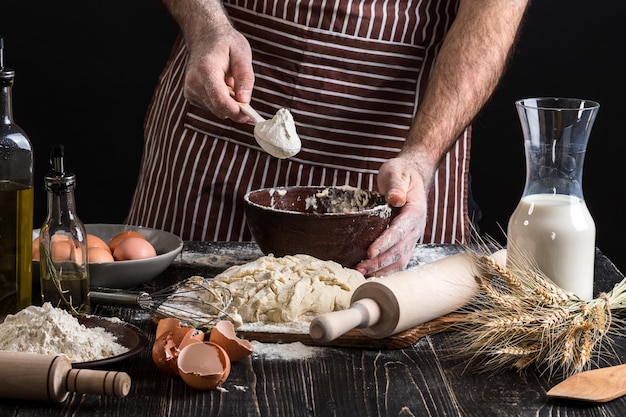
[{"x": 351, "y": 73}]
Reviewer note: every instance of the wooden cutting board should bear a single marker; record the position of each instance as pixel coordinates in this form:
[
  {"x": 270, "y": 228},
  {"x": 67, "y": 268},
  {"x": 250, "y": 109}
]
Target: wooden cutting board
[{"x": 356, "y": 339}]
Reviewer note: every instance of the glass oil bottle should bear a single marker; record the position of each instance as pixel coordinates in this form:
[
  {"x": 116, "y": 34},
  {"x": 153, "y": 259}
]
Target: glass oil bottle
[
  {"x": 63, "y": 243},
  {"x": 16, "y": 203}
]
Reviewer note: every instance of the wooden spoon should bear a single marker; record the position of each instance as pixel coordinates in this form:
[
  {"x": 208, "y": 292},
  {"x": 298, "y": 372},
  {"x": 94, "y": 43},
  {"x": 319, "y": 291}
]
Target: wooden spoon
[
  {"x": 248, "y": 110},
  {"x": 598, "y": 385}
]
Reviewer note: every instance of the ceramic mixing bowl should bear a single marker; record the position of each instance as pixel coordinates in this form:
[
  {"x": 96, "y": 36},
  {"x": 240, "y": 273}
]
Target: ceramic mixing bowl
[{"x": 329, "y": 223}]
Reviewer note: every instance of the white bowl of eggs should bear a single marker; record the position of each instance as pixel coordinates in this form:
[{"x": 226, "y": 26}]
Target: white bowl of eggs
[{"x": 122, "y": 256}]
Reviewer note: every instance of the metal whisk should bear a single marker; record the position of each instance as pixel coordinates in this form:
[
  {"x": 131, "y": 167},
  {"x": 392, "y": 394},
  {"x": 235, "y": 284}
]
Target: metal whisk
[{"x": 196, "y": 302}]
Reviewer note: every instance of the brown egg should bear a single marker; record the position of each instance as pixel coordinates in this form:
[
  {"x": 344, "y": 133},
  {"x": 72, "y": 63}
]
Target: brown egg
[
  {"x": 133, "y": 248},
  {"x": 36, "y": 248},
  {"x": 94, "y": 241},
  {"x": 61, "y": 251},
  {"x": 97, "y": 254},
  {"x": 223, "y": 334},
  {"x": 203, "y": 366},
  {"x": 121, "y": 236},
  {"x": 64, "y": 250}
]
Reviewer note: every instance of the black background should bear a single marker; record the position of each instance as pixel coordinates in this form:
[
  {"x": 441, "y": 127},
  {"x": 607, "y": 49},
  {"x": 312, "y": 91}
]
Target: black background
[{"x": 86, "y": 71}]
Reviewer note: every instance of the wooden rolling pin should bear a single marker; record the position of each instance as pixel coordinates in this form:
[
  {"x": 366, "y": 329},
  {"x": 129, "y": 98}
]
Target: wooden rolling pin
[
  {"x": 32, "y": 376},
  {"x": 384, "y": 306}
]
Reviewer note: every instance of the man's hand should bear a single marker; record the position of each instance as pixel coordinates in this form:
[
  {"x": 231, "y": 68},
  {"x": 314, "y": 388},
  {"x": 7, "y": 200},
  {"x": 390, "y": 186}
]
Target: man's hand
[
  {"x": 403, "y": 186},
  {"x": 223, "y": 60},
  {"x": 220, "y": 58}
]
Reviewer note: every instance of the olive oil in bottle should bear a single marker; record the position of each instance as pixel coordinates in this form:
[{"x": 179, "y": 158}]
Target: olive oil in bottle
[
  {"x": 16, "y": 203},
  {"x": 63, "y": 243}
]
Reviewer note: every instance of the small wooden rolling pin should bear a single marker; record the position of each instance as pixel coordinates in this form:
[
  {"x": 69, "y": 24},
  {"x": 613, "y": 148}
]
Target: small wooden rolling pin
[
  {"x": 384, "y": 306},
  {"x": 32, "y": 376}
]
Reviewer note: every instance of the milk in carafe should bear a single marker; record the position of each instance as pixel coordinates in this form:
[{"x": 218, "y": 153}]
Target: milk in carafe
[
  {"x": 552, "y": 228},
  {"x": 560, "y": 233}
]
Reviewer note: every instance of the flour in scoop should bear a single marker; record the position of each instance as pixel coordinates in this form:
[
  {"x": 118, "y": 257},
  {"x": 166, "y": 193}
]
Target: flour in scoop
[
  {"x": 278, "y": 136},
  {"x": 52, "y": 331}
]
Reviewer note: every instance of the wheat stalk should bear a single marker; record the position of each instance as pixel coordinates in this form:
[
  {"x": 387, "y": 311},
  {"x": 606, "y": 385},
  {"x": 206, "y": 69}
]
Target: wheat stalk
[{"x": 521, "y": 318}]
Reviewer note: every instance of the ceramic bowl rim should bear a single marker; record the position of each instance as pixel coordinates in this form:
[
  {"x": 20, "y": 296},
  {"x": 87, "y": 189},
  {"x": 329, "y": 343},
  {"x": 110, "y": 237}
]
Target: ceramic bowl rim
[{"x": 372, "y": 211}]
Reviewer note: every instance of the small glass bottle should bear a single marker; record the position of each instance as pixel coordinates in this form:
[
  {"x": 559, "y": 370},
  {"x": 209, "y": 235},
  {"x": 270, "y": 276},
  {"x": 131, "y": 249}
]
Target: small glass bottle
[
  {"x": 16, "y": 203},
  {"x": 552, "y": 225},
  {"x": 63, "y": 243}
]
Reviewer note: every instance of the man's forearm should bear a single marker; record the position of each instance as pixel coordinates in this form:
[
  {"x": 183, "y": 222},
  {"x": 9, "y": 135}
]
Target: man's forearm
[
  {"x": 469, "y": 66},
  {"x": 196, "y": 18}
]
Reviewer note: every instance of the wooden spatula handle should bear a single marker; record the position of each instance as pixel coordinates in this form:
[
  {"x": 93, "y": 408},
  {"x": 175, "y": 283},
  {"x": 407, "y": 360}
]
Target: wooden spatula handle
[{"x": 32, "y": 376}]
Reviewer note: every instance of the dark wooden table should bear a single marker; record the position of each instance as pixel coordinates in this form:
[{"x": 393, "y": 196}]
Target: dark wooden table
[{"x": 420, "y": 380}]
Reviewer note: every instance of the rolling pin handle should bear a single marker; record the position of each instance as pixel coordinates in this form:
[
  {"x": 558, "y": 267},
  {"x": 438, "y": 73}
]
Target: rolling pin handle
[
  {"x": 329, "y": 326},
  {"x": 87, "y": 381},
  {"x": 34, "y": 376}
]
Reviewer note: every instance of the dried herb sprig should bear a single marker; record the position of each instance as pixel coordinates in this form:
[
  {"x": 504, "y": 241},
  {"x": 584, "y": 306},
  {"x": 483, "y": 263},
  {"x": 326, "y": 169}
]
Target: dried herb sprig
[
  {"x": 521, "y": 318},
  {"x": 55, "y": 276}
]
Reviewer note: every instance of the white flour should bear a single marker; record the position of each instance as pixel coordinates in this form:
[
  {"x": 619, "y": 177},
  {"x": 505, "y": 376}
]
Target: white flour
[
  {"x": 52, "y": 331},
  {"x": 278, "y": 136},
  {"x": 285, "y": 351}
]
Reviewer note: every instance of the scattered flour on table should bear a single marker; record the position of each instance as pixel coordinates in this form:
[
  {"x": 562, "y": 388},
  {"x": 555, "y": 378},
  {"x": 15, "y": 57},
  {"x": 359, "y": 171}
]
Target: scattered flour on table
[
  {"x": 52, "y": 331},
  {"x": 285, "y": 351},
  {"x": 219, "y": 257},
  {"x": 294, "y": 327},
  {"x": 425, "y": 254}
]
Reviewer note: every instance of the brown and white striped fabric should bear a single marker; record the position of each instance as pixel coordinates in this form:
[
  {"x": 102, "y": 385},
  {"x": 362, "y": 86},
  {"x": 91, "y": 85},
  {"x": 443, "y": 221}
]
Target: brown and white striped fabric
[{"x": 351, "y": 73}]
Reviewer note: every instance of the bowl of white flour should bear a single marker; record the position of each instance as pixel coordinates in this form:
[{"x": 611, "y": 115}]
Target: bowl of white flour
[{"x": 87, "y": 340}]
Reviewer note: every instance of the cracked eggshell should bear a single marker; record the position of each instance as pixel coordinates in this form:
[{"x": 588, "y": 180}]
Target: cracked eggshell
[
  {"x": 167, "y": 324},
  {"x": 203, "y": 366},
  {"x": 223, "y": 334},
  {"x": 169, "y": 343}
]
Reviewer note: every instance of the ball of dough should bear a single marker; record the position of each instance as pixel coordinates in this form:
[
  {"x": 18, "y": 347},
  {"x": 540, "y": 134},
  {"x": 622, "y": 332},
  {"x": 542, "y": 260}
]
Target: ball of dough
[{"x": 289, "y": 288}]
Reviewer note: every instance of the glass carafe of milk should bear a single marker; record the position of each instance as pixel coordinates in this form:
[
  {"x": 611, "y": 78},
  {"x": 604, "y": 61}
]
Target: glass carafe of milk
[{"x": 551, "y": 225}]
